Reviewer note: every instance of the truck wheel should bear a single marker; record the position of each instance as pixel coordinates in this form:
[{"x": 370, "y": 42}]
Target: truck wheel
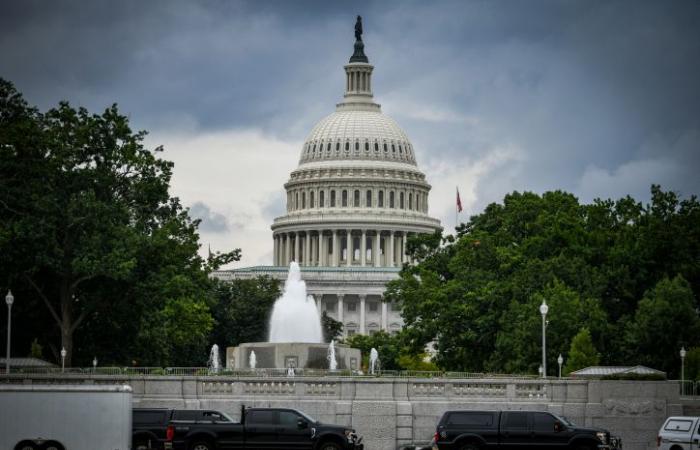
[
  {"x": 52, "y": 445},
  {"x": 26, "y": 445},
  {"x": 329, "y": 446},
  {"x": 141, "y": 445},
  {"x": 469, "y": 447},
  {"x": 201, "y": 445}
]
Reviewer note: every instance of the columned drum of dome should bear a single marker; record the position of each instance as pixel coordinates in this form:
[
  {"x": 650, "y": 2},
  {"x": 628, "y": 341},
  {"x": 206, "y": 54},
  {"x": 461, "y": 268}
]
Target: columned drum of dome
[
  {"x": 353, "y": 201},
  {"x": 357, "y": 194}
]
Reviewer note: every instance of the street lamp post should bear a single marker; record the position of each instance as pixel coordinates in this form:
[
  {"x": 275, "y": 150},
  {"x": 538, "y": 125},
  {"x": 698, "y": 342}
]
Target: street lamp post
[
  {"x": 683, "y": 353},
  {"x": 543, "y": 310},
  {"x": 9, "y": 299},
  {"x": 560, "y": 361},
  {"x": 63, "y": 359}
]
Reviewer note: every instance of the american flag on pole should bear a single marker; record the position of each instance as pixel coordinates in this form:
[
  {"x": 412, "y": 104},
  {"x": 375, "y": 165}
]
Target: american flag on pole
[{"x": 459, "y": 202}]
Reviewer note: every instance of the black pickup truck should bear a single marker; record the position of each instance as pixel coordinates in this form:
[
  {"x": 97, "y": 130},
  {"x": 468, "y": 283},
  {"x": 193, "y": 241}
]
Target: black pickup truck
[
  {"x": 150, "y": 425},
  {"x": 260, "y": 428},
  {"x": 523, "y": 430}
]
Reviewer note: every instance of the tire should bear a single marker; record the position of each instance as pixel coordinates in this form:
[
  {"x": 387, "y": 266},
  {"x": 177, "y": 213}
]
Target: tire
[
  {"x": 201, "y": 445},
  {"x": 140, "y": 445},
  {"x": 26, "y": 445},
  {"x": 52, "y": 445},
  {"x": 329, "y": 445},
  {"x": 469, "y": 447}
]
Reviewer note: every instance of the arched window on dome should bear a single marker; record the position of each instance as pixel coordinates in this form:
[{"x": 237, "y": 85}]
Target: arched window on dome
[
  {"x": 376, "y": 146},
  {"x": 380, "y": 200},
  {"x": 366, "y": 146},
  {"x": 401, "y": 205},
  {"x": 393, "y": 148},
  {"x": 322, "y": 199},
  {"x": 337, "y": 146},
  {"x": 357, "y": 145},
  {"x": 347, "y": 146},
  {"x": 385, "y": 148},
  {"x": 314, "y": 150},
  {"x": 344, "y": 199},
  {"x": 368, "y": 200},
  {"x": 332, "y": 199},
  {"x": 410, "y": 201},
  {"x": 311, "y": 199},
  {"x": 391, "y": 199},
  {"x": 303, "y": 200},
  {"x": 356, "y": 199},
  {"x": 400, "y": 149},
  {"x": 328, "y": 148}
]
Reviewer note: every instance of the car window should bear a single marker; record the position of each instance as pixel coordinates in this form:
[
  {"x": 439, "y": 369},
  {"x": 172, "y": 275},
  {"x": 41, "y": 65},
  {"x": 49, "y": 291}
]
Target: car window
[
  {"x": 516, "y": 421},
  {"x": 678, "y": 425},
  {"x": 470, "y": 420},
  {"x": 543, "y": 422},
  {"x": 149, "y": 417},
  {"x": 185, "y": 415},
  {"x": 262, "y": 417},
  {"x": 215, "y": 415},
  {"x": 288, "y": 419}
]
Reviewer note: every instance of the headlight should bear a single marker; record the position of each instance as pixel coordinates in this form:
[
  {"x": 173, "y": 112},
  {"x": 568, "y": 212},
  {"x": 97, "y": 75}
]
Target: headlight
[{"x": 602, "y": 437}]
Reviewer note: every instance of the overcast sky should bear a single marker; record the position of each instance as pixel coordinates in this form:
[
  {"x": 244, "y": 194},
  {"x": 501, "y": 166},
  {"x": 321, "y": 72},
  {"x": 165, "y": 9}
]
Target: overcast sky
[{"x": 599, "y": 98}]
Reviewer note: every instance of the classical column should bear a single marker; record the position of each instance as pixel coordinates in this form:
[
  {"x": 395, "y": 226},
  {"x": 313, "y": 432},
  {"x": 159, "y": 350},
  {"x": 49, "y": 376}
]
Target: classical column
[
  {"x": 403, "y": 247},
  {"x": 341, "y": 308},
  {"x": 274, "y": 250},
  {"x": 336, "y": 249},
  {"x": 375, "y": 252},
  {"x": 385, "y": 326},
  {"x": 363, "y": 248},
  {"x": 322, "y": 250},
  {"x": 391, "y": 252},
  {"x": 287, "y": 249},
  {"x": 307, "y": 249},
  {"x": 362, "y": 313},
  {"x": 296, "y": 246},
  {"x": 312, "y": 256},
  {"x": 349, "y": 253}
]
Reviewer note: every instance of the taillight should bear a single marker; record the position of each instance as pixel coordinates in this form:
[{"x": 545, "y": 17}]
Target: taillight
[
  {"x": 436, "y": 437},
  {"x": 170, "y": 433}
]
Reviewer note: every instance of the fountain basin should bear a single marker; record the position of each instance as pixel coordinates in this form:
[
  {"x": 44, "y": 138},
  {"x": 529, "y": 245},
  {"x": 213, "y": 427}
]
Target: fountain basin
[{"x": 274, "y": 355}]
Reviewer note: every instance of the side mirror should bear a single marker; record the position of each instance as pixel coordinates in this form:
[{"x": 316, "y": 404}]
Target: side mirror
[
  {"x": 302, "y": 424},
  {"x": 557, "y": 427}
]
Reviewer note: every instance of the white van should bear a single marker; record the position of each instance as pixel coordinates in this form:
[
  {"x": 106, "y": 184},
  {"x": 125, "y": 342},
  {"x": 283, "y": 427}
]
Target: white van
[
  {"x": 679, "y": 433},
  {"x": 65, "y": 417}
]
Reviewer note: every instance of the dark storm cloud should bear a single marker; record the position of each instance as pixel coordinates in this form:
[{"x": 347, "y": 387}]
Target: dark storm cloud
[
  {"x": 601, "y": 98},
  {"x": 211, "y": 221}
]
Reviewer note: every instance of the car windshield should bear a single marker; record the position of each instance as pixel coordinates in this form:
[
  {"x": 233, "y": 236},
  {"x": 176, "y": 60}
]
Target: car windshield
[
  {"x": 307, "y": 417},
  {"x": 226, "y": 416},
  {"x": 564, "y": 420}
]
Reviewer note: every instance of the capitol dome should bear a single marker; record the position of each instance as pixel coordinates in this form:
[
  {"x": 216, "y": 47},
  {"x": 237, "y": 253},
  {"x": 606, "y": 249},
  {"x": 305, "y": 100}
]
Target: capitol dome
[{"x": 357, "y": 193}]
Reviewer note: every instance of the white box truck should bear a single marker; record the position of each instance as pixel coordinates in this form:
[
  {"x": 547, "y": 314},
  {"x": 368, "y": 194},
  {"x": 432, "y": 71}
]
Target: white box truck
[{"x": 65, "y": 417}]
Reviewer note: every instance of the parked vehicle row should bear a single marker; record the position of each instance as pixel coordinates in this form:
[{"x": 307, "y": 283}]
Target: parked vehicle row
[{"x": 259, "y": 428}]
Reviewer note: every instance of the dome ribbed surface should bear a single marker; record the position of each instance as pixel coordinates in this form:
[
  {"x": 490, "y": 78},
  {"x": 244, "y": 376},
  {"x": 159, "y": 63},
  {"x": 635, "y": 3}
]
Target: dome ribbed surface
[{"x": 357, "y": 134}]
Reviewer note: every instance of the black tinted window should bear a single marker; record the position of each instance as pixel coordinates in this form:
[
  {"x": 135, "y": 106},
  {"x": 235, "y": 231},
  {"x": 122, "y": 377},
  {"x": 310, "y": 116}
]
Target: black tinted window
[
  {"x": 260, "y": 417},
  {"x": 543, "y": 422},
  {"x": 215, "y": 416},
  {"x": 516, "y": 420},
  {"x": 148, "y": 417},
  {"x": 186, "y": 415},
  {"x": 288, "y": 418},
  {"x": 470, "y": 420}
]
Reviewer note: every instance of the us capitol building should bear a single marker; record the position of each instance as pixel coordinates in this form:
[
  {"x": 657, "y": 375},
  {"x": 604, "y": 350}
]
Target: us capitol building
[{"x": 352, "y": 202}]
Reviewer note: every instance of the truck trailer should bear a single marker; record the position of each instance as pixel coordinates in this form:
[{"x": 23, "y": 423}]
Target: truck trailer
[{"x": 65, "y": 417}]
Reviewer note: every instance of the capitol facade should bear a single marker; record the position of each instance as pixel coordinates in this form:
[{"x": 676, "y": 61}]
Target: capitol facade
[{"x": 352, "y": 202}]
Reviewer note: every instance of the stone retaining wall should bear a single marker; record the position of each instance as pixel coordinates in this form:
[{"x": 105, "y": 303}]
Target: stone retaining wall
[{"x": 392, "y": 412}]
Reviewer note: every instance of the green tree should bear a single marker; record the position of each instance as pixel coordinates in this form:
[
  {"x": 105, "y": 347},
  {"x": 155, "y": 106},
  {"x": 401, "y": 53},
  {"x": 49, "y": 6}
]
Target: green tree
[
  {"x": 692, "y": 364},
  {"x": 89, "y": 229},
  {"x": 582, "y": 353},
  {"x": 665, "y": 319},
  {"x": 35, "y": 351},
  {"x": 332, "y": 329},
  {"x": 242, "y": 310},
  {"x": 388, "y": 347}
]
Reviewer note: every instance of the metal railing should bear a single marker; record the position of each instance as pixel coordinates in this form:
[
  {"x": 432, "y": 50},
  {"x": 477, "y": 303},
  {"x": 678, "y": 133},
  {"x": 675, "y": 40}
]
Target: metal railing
[
  {"x": 689, "y": 388},
  {"x": 246, "y": 373}
]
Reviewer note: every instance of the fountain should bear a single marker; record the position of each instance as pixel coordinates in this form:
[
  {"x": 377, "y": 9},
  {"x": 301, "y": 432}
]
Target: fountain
[
  {"x": 252, "y": 360},
  {"x": 295, "y": 336},
  {"x": 373, "y": 357},
  {"x": 213, "y": 362},
  {"x": 332, "y": 361}
]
